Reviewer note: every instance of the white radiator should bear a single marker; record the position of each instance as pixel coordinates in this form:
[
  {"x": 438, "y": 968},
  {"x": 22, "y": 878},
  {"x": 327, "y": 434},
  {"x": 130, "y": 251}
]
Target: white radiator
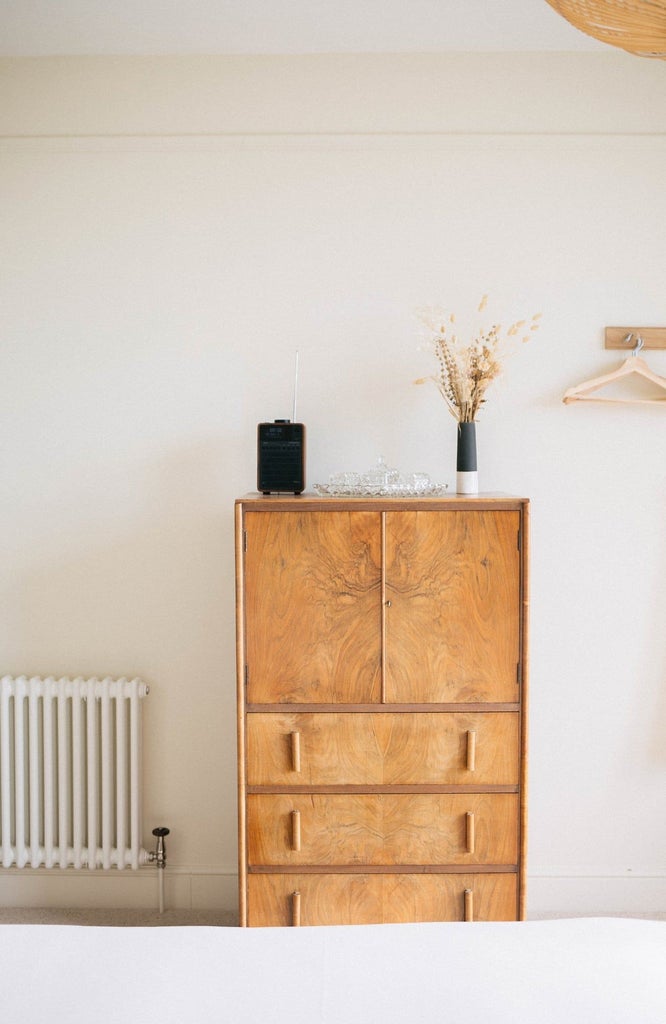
[{"x": 70, "y": 773}]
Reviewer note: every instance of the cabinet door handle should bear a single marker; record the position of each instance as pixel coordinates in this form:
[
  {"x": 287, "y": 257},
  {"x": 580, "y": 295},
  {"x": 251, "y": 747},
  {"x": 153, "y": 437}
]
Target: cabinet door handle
[
  {"x": 470, "y": 836},
  {"x": 471, "y": 751},
  {"x": 469, "y": 904},
  {"x": 296, "y": 831},
  {"x": 296, "y": 751},
  {"x": 296, "y": 909}
]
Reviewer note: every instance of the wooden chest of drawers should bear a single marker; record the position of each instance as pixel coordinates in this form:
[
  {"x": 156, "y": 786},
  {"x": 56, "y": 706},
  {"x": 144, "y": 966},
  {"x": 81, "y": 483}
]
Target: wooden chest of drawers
[{"x": 381, "y": 690}]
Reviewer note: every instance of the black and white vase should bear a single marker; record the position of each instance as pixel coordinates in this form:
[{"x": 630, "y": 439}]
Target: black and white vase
[{"x": 467, "y": 477}]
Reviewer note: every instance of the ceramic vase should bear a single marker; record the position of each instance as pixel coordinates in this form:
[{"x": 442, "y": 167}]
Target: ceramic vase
[{"x": 467, "y": 477}]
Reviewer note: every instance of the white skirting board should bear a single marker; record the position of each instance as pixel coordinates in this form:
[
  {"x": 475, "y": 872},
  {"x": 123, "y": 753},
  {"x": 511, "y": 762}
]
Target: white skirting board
[
  {"x": 188, "y": 888},
  {"x": 184, "y": 889},
  {"x": 596, "y": 894}
]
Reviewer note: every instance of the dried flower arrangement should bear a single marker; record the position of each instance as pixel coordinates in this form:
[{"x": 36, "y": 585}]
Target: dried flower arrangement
[{"x": 466, "y": 371}]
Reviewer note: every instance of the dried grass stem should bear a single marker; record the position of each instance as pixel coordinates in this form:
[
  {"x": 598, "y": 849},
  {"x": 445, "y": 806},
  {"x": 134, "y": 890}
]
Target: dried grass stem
[{"x": 466, "y": 371}]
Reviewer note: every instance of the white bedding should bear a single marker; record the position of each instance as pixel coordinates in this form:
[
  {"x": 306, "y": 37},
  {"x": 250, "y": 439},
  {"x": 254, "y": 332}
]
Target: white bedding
[{"x": 592, "y": 971}]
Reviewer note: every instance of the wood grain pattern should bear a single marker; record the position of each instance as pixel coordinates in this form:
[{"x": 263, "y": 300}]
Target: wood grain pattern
[
  {"x": 382, "y": 749},
  {"x": 379, "y": 899},
  {"x": 312, "y": 594},
  {"x": 524, "y": 709},
  {"x": 383, "y": 829},
  {"x": 653, "y": 337},
  {"x": 453, "y": 626},
  {"x": 254, "y": 502},
  {"x": 382, "y": 674},
  {"x": 240, "y": 712}
]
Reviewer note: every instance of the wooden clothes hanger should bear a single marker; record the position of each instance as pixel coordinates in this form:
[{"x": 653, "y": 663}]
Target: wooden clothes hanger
[{"x": 586, "y": 392}]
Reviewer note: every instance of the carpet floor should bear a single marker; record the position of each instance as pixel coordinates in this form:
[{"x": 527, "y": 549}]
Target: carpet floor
[{"x": 210, "y": 918}]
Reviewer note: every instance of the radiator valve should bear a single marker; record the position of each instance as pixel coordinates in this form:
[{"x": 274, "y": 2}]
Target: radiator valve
[{"x": 159, "y": 855}]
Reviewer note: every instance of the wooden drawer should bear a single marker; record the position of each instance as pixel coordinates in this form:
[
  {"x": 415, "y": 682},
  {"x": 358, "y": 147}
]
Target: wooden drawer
[
  {"x": 287, "y": 749},
  {"x": 312, "y": 899},
  {"x": 382, "y": 829}
]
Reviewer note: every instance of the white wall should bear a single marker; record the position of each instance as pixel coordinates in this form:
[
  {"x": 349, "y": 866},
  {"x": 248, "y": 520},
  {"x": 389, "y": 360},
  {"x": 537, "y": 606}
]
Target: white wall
[{"x": 173, "y": 230}]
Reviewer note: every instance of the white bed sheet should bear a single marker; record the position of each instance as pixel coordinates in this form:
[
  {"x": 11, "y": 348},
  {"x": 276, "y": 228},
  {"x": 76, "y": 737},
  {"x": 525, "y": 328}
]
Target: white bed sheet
[{"x": 579, "y": 971}]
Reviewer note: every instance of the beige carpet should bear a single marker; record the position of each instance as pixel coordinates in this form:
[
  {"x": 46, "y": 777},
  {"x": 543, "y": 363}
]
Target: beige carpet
[
  {"x": 210, "y": 918},
  {"x": 117, "y": 918}
]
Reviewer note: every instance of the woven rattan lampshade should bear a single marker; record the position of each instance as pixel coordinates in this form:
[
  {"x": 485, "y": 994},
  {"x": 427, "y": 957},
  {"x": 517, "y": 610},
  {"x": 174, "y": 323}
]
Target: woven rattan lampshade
[{"x": 638, "y": 26}]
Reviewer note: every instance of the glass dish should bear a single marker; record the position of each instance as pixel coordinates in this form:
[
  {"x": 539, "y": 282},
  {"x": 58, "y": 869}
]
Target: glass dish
[{"x": 380, "y": 482}]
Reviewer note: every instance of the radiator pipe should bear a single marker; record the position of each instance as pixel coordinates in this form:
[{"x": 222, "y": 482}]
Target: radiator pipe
[{"x": 159, "y": 858}]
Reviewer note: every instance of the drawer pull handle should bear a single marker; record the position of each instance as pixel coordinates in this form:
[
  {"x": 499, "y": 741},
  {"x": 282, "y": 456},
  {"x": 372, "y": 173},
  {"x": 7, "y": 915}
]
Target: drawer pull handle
[
  {"x": 469, "y": 905},
  {"x": 470, "y": 831},
  {"x": 296, "y": 909},
  {"x": 471, "y": 751},
  {"x": 296, "y": 751},
  {"x": 296, "y": 831}
]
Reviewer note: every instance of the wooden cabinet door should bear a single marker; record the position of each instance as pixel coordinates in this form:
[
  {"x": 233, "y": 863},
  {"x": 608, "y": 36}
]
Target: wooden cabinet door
[
  {"x": 315, "y": 899},
  {"x": 453, "y": 606},
  {"x": 382, "y": 829},
  {"x": 382, "y": 749},
  {"x": 313, "y": 599}
]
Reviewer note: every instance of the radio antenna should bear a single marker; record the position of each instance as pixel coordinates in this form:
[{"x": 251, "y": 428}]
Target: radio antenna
[{"x": 293, "y": 415}]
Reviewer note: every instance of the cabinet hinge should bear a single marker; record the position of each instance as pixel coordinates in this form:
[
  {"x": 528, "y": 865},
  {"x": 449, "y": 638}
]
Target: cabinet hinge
[
  {"x": 247, "y": 676},
  {"x": 520, "y": 539},
  {"x": 519, "y": 674},
  {"x": 244, "y": 541}
]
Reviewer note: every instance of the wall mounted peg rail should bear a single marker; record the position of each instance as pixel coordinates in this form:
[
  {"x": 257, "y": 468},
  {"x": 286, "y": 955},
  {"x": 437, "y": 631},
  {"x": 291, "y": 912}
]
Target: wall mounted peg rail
[{"x": 625, "y": 337}]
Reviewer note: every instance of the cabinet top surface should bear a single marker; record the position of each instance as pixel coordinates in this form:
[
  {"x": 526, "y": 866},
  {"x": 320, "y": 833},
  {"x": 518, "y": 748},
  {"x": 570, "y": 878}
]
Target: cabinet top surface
[{"x": 306, "y": 502}]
